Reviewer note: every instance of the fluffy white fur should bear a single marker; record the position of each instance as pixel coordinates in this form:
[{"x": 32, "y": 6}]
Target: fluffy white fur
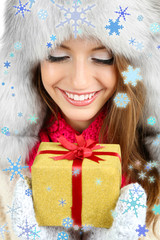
[{"x": 34, "y": 34}]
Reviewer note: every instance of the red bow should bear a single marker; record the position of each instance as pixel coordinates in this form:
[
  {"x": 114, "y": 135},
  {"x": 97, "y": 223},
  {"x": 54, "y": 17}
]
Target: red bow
[{"x": 84, "y": 149}]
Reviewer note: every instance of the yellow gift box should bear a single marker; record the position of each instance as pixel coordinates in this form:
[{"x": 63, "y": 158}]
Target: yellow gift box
[{"x": 52, "y": 186}]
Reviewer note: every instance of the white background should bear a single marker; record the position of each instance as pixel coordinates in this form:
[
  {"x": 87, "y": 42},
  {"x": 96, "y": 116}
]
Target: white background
[{"x": 2, "y": 3}]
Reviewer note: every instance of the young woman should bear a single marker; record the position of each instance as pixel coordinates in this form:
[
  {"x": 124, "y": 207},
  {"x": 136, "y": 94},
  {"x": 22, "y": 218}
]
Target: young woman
[{"x": 89, "y": 85}]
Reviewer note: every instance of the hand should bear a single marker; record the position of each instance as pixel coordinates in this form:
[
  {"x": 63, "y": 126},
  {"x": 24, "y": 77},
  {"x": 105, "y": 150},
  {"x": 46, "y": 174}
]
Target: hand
[
  {"x": 128, "y": 218},
  {"x": 24, "y": 216}
]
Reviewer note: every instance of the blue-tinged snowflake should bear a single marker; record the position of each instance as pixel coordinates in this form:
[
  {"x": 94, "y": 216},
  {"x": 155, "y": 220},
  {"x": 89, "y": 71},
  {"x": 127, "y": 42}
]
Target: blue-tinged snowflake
[
  {"x": 6, "y": 72},
  {"x": 62, "y": 202},
  {"x": 28, "y": 192},
  {"x": 76, "y": 171},
  {"x": 114, "y": 27},
  {"x": 31, "y": 3},
  {"x": 34, "y": 234},
  {"x": 3, "y": 83},
  {"x": 158, "y": 46},
  {"x": 7, "y": 64},
  {"x": 21, "y": 8},
  {"x": 151, "y": 121},
  {"x": 148, "y": 166},
  {"x": 48, "y": 188},
  {"x": 132, "y": 41},
  {"x": 15, "y": 168},
  {"x": 122, "y": 13},
  {"x": 132, "y": 76},
  {"x": 49, "y": 44},
  {"x": 12, "y": 209},
  {"x": 142, "y": 230},
  {"x": 76, "y": 227},
  {"x": 63, "y": 236},
  {"x": 11, "y": 55},
  {"x": 151, "y": 179},
  {"x": 20, "y": 114},
  {"x": 156, "y": 209},
  {"x": 16, "y": 131},
  {"x": 130, "y": 167},
  {"x": 75, "y": 16},
  {"x": 18, "y": 45},
  {"x": 13, "y": 94},
  {"x": 156, "y": 142},
  {"x": 52, "y": 1},
  {"x": 139, "y": 45},
  {"x": 42, "y": 14},
  {"x": 121, "y": 100},
  {"x": 33, "y": 118},
  {"x": 98, "y": 181},
  {"x": 158, "y": 136},
  {"x": 5, "y": 130},
  {"x": 142, "y": 175},
  {"x": 3, "y": 230},
  {"x": 86, "y": 227},
  {"x": 140, "y": 18},
  {"x": 133, "y": 203},
  {"x": 114, "y": 213},
  {"x": 136, "y": 190},
  {"x": 53, "y": 37},
  {"x": 155, "y": 27},
  {"x": 26, "y": 230},
  {"x": 67, "y": 222}
]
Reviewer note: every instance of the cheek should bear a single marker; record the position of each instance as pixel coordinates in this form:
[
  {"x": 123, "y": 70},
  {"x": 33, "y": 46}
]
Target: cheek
[
  {"x": 49, "y": 74},
  {"x": 110, "y": 78}
]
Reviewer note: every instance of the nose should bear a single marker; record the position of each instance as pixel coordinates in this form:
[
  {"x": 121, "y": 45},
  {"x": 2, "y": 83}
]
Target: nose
[{"x": 81, "y": 74}]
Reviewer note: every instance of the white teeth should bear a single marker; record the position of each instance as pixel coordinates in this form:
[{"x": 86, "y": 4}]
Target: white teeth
[{"x": 80, "y": 97}]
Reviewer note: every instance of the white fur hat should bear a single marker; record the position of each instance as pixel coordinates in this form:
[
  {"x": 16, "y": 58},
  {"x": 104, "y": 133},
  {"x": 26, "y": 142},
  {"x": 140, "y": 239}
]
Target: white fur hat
[{"x": 130, "y": 28}]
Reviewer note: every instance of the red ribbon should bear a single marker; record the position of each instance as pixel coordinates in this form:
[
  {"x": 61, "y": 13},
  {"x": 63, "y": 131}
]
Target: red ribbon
[{"x": 77, "y": 153}]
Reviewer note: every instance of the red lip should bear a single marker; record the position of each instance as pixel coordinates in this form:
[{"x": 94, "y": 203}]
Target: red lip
[{"x": 80, "y": 103}]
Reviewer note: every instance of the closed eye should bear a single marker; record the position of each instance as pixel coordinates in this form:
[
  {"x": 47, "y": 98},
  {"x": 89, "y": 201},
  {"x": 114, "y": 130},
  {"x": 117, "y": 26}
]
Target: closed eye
[{"x": 61, "y": 59}]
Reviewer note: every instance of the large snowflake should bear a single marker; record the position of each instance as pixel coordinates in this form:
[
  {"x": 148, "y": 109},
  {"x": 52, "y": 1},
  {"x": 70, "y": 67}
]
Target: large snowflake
[
  {"x": 121, "y": 100},
  {"x": 114, "y": 27},
  {"x": 132, "y": 75},
  {"x": 21, "y": 8},
  {"x": 142, "y": 230},
  {"x": 15, "y": 168},
  {"x": 75, "y": 16},
  {"x": 26, "y": 230},
  {"x": 133, "y": 203}
]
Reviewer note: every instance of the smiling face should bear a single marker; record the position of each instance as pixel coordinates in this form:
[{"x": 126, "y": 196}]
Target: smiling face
[{"x": 79, "y": 73}]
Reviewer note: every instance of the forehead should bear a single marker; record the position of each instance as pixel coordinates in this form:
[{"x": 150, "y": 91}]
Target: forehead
[{"x": 89, "y": 44}]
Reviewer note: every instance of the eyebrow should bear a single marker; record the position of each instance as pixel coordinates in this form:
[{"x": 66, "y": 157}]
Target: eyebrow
[{"x": 94, "y": 49}]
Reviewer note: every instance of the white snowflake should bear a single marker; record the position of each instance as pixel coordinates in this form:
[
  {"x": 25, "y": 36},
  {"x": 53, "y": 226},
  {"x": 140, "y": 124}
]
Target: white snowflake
[
  {"x": 142, "y": 175},
  {"x": 75, "y": 16},
  {"x": 131, "y": 75},
  {"x": 15, "y": 168},
  {"x": 86, "y": 227},
  {"x": 151, "y": 179}
]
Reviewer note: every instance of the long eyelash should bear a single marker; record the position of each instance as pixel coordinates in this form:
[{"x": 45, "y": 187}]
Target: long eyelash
[{"x": 58, "y": 59}]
